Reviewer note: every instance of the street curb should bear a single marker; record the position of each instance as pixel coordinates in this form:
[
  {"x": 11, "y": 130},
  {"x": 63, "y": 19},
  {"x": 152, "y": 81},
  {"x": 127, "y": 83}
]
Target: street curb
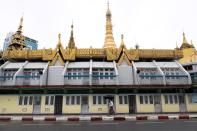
[
  {"x": 27, "y": 119},
  {"x": 50, "y": 119},
  {"x": 163, "y": 118},
  {"x": 73, "y": 119},
  {"x": 116, "y": 118},
  {"x": 183, "y": 117},
  {"x": 97, "y": 118},
  {"x": 142, "y": 118},
  {"x": 5, "y": 119}
]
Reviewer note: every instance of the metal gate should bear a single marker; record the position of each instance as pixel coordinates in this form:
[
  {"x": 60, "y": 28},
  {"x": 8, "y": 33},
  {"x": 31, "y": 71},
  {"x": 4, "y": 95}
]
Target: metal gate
[
  {"x": 37, "y": 105},
  {"x": 157, "y": 103},
  {"x": 182, "y": 104},
  {"x": 132, "y": 104},
  {"x": 84, "y": 105},
  {"x": 58, "y": 105}
]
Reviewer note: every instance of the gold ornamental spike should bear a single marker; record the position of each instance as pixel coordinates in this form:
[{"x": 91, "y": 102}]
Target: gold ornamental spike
[
  {"x": 109, "y": 39},
  {"x": 184, "y": 39},
  {"x": 20, "y": 27}
]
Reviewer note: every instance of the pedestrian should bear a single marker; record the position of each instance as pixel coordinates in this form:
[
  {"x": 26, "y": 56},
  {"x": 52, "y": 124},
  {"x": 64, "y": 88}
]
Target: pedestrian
[{"x": 111, "y": 109}]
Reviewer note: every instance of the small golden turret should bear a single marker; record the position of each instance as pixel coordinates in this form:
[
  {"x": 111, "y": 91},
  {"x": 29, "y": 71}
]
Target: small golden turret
[
  {"x": 185, "y": 44},
  {"x": 71, "y": 43},
  {"x": 18, "y": 40},
  {"x": 109, "y": 39}
]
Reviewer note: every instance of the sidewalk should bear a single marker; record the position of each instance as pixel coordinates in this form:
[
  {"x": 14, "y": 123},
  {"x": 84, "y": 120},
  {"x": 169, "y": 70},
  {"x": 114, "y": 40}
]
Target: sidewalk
[{"x": 75, "y": 118}]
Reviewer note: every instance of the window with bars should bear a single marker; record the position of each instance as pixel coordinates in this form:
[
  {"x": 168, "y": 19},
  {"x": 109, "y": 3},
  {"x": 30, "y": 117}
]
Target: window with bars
[
  {"x": 123, "y": 99},
  {"x": 49, "y": 100},
  {"x": 146, "y": 99},
  {"x": 171, "y": 99},
  {"x": 77, "y": 73},
  {"x": 25, "y": 100},
  {"x": 99, "y": 100},
  {"x": 72, "y": 100}
]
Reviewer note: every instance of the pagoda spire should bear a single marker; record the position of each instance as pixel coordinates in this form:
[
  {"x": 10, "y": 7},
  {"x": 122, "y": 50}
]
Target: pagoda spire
[
  {"x": 109, "y": 39},
  {"x": 185, "y": 44},
  {"x": 71, "y": 43},
  {"x": 18, "y": 40},
  {"x": 184, "y": 39},
  {"x": 20, "y": 27}
]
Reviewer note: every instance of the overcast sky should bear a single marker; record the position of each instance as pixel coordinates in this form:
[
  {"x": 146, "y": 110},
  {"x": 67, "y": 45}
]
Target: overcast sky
[{"x": 150, "y": 23}]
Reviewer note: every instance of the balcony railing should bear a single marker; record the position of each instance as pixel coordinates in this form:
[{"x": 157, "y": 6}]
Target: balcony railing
[
  {"x": 6, "y": 80},
  {"x": 27, "y": 80},
  {"x": 103, "y": 79},
  {"x": 150, "y": 79},
  {"x": 176, "y": 79},
  {"x": 84, "y": 79},
  {"x": 76, "y": 79}
]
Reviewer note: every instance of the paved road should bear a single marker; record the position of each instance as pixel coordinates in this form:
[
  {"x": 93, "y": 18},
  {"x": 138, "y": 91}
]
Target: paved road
[{"x": 170, "y": 125}]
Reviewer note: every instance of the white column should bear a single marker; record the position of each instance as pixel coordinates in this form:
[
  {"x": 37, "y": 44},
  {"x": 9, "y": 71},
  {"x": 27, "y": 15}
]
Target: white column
[
  {"x": 1, "y": 68},
  {"x": 43, "y": 78},
  {"x": 90, "y": 72},
  {"x": 159, "y": 69},
  {"x": 181, "y": 68},
  {"x": 135, "y": 76},
  {"x": 20, "y": 71},
  {"x": 116, "y": 71}
]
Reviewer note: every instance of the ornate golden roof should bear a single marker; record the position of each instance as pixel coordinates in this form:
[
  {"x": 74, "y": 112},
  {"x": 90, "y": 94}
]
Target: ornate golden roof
[{"x": 109, "y": 54}]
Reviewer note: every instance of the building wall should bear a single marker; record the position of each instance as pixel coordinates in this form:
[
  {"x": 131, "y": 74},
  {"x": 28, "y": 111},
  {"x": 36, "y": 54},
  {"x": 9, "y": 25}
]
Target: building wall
[
  {"x": 191, "y": 107},
  {"x": 125, "y": 76},
  {"x": 120, "y": 108},
  {"x": 101, "y": 108},
  {"x": 169, "y": 107},
  {"x": 9, "y": 104},
  {"x": 70, "y": 109},
  {"x": 46, "y": 109},
  {"x": 144, "y": 108},
  {"x": 55, "y": 76}
]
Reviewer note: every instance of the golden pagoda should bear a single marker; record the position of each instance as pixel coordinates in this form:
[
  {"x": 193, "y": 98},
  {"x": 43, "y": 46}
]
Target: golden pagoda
[
  {"x": 189, "y": 51},
  {"x": 17, "y": 42},
  {"x": 109, "y": 39}
]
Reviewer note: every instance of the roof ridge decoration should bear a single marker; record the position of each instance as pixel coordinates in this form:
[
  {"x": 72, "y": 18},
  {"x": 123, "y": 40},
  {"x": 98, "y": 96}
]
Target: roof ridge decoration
[
  {"x": 122, "y": 53},
  {"x": 58, "y": 55},
  {"x": 109, "y": 39}
]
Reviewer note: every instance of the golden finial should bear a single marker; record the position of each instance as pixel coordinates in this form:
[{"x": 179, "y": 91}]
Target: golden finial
[
  {"x": 72, "y": 29},
  {"x": 71, "y": 43},
  {"x": 108, "y": 13},
  {"x": 59, "y": 38},
  {"x": 122, "y": 40},
  {"x": 108, "y": 5},
  {"x": 184, "y": 38},
  {"x": 20, "y": 25},
  {"x": 122, "y": 36}
]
